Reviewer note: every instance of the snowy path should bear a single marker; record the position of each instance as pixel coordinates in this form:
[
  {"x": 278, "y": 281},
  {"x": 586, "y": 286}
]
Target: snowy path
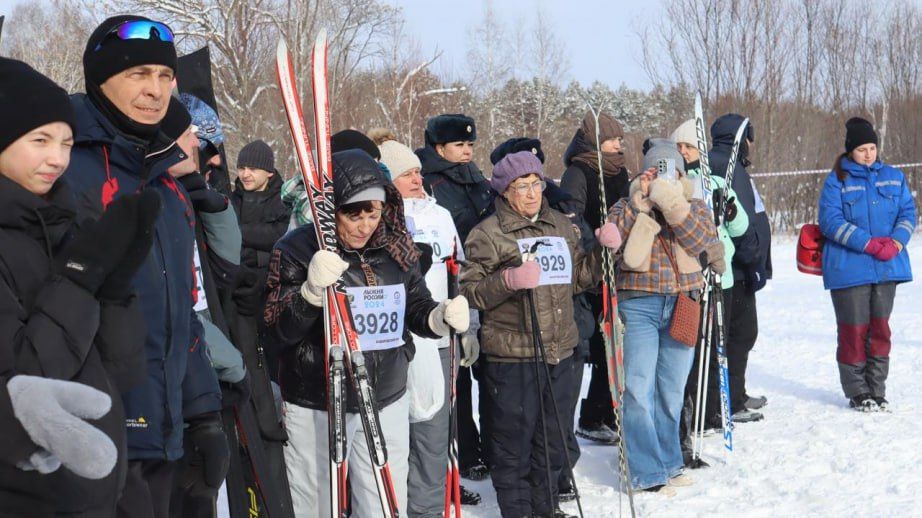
[{"x": 811, "y": 456}]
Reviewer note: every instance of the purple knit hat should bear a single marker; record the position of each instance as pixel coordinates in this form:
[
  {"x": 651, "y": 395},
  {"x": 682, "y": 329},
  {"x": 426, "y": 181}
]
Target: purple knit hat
[{"x": 512, "y": 166}]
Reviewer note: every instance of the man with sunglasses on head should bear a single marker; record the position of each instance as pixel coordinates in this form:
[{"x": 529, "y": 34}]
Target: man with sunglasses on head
[{"x": 119, "y": 148}]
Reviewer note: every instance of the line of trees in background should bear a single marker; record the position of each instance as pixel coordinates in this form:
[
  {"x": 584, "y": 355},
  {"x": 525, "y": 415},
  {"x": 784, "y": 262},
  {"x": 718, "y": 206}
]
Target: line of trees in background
[{"x": 797, "y": 68}]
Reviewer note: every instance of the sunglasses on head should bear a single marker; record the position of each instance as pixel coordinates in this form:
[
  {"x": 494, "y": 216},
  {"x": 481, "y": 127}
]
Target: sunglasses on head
[{"x": 137, "y": 30}]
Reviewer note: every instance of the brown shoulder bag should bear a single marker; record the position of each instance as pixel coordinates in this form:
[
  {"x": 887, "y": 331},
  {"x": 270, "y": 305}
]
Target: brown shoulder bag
[{"x": 686, "y": 316}]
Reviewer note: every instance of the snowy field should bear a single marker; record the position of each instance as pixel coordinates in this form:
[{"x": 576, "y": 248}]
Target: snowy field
[{"x": 812, "y": 455}]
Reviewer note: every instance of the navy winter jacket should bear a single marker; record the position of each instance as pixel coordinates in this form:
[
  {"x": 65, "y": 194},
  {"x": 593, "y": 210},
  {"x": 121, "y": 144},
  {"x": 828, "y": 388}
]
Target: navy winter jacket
[
  {"x": 872, "y": 201},
  {"x": 753, "y": 256},
  {"x": 180, "y": 381},
  {"x": 460, "y": 188}
]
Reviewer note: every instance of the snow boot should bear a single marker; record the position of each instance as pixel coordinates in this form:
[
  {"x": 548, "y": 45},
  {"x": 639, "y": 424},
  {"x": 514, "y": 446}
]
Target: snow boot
[
  {"x": 757, "y": 402},
  {"x": 662, "y": 490},
  {"x": 469, "y": 497},
  {"x": 864, "y": 403},
  {"x": 747, "y": 416},
  {"x": 599, "y": 433},
  {"x": 476, "y": 471},
  {"x": 565, "y": 492},
  {"x": 882, "y": 403},
  {"x": 680, "y": 480},
  {"x": 698, "y": 463}
]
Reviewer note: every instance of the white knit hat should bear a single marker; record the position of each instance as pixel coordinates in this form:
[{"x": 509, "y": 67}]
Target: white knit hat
[
  {"x": 685, "y": 133},
  {"x": 398, "y": 158}
]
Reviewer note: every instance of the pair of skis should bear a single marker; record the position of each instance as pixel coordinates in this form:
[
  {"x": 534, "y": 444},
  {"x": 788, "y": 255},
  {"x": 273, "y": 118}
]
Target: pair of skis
[
  {"x": 612, "y": 328},
  {"x": 712, "y": 301},
  {"x": 338, "y": 329}
]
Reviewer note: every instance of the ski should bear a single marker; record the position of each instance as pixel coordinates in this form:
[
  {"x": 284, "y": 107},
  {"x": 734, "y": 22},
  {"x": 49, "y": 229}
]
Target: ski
[
  {"x": 338, "y": 327},
  {"x": 453, "y": 474},
  {"x": 713, "y": 308},
  {"x": 612, "y": 327}
]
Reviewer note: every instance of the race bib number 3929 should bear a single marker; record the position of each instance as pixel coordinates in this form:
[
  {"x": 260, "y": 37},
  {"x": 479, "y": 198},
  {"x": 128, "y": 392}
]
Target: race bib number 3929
[
  {"x": 554, "y": 258},
  {"x": 378, "y": 315}
]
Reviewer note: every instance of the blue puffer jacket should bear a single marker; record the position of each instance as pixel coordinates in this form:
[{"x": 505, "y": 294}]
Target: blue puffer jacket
[
  {"x": 873, "y": 201},
  {"x": 180, "y": 381}
]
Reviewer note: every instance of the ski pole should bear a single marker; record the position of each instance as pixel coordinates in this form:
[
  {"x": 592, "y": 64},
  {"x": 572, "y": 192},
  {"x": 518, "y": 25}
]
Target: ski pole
[
  {"x": 541, "y": 356},
  {"x": 453, "y": 477}
]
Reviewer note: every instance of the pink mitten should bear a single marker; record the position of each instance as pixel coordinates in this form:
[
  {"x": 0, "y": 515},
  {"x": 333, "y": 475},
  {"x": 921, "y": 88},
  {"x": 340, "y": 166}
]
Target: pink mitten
[
  {"x": 523, "y": 277},
  {"x": 888, "y": 251},
  {"x": 608, "y": 236},
  {"x": 874, "y": 246}
]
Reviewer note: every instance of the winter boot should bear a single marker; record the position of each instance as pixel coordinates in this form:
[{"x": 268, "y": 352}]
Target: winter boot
[
  {"x": 565, "y": 492},
  {"x": 469, "y": 497},
  {"x": 698, "y": 463},
  {"x": 864, "y": 403},
  {"x": 747, "y": 416},
  {"x": 599, "y": 433},
  {"x": 680, "y": 480},
  {"x": 882, "y": 403},
  {"x": 476, "y": 471},
  {"x": 662, "y": 490},
  {"x": 757, "y": 402}
]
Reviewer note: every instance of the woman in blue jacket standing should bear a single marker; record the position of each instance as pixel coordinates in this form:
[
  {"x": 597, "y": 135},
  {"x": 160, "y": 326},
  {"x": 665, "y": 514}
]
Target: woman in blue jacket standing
[{"x": 867, "y": 215}]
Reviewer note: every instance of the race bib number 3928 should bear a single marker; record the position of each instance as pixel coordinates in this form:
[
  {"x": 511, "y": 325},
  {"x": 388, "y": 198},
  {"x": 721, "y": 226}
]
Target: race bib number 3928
[
  {"x": 554, "y": 258},
  {"x": 378, "y": 315}
]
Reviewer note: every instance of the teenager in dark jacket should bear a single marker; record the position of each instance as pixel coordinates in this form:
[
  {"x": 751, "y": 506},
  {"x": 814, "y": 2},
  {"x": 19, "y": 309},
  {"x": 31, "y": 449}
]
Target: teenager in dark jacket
[
  {"x": 376, "y": 260},
  {"x": 66, "y": 310},
  {"x": 119, "y": 149},
  {"x": 258, "y": 203},
  {"x": 457, "y": 184},
  {"x": 752, "y": 266},
  {"x": 581, "y": 181}
]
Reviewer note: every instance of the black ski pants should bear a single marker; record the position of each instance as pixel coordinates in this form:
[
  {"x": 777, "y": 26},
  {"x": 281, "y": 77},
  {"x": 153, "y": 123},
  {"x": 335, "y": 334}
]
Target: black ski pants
[
  {"x": 517, "y": 436},
  {"x": 741, "y": 338},
  {"x": 147, "y": 489}
]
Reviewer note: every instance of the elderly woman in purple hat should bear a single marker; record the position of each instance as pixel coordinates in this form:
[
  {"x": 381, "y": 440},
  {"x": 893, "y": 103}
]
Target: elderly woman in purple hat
[{"x": 500, "y": 274}]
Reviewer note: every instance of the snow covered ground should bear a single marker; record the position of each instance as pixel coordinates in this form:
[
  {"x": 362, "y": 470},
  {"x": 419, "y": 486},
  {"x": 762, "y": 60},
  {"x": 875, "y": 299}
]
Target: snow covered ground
[{"x": 812, "y": 455}]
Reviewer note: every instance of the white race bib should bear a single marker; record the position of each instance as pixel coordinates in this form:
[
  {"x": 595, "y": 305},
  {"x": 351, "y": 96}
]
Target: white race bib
[
  {"x": 201, "y": 302},
  {"x": 554, "y": 258},
  {"x": 377, "y": 315},
  {"x": 428, "y": 231}
]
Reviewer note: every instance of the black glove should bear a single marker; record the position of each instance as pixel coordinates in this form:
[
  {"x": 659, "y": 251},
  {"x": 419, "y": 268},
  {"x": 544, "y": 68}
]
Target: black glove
[
  {"x": 203, "y": 198},
  {"x": 118, "y": 284},
  {"x": 247, "y": 292},
  {"x": 235, "y": 394},
  {"x": 425, "y": 257},
  {"x": 730, "y": 213},
  {"x": 756, "y": 279},
  {"x": 209, "y": 455},
  {"x": 100, "y": 245}
]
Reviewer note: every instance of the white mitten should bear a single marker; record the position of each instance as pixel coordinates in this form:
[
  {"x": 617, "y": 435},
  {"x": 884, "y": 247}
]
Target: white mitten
[
  {"x": 325, "y": 269},
  {"x": 452, "y": 312},
  {"x": 471, "y": 347},
  {"x": 670, "y": 198},
  {"x": 52, "y": 413}
]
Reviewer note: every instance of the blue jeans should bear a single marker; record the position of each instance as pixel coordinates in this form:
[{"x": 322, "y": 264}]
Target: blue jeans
[{"x": 656, "y": 369}]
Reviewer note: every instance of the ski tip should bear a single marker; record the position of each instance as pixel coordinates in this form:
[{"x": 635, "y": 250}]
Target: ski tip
[
  {"x": 281, "y": 50},
  {"x": 321, "y": 39}
]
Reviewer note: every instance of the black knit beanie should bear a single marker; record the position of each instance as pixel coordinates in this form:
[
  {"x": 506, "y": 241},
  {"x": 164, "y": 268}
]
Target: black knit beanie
[
  {"x": 257, "y": 155},
  {"x": 176, "y": 121},
  {"x": 29, "y": 100},
  {"x": 516, "y": 144},
  {"x": 352, "y": 139},
  {"x": 858, "y": 132},
  {"x": 106, "y": 55}
]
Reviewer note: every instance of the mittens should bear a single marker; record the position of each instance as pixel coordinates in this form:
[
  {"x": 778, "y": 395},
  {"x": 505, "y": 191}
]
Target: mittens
[
  {"x": 669, "y": 197},
  {"x": 608, "y": 236},
  {"x": 452, "y": 312},
  {"x": 523, "y": 277},
  {"x": 117, "y": 285},
  {"x": 324, "y": 269}
]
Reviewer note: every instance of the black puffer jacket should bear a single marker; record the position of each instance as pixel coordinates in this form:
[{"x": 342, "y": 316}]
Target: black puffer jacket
[
  {"x": 52, "y": 328},
  {"x": 263, "y": 220},
  {"x": 460, "y": 188},
  {"x": 754, "y": 248},
  {"x": 297, "y": 327}
]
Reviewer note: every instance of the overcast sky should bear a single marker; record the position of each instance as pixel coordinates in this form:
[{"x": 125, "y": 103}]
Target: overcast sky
[{"x": 599, "y": 35}]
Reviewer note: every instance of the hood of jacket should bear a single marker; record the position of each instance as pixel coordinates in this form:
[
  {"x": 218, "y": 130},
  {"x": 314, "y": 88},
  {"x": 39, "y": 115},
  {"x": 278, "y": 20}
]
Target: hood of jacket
[{"x": 723, "y": 132}]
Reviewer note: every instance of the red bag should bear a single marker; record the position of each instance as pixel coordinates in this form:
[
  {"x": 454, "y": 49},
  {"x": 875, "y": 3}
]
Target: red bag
[{"x": 810, "y": 249}]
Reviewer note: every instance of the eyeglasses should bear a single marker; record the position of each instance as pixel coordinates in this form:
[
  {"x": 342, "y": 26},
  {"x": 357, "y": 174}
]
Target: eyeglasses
[
  {"x": 524, "y": 188},
  {"x": 138, "y": 30}
]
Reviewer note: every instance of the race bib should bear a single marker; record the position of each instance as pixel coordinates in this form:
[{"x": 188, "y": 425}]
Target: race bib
[
  {"x": 554, "y": 258},
  {"x": 378, "y": 315},
  {"x": 201, "y": 302},
  {"x": 428, "y": 232}
]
